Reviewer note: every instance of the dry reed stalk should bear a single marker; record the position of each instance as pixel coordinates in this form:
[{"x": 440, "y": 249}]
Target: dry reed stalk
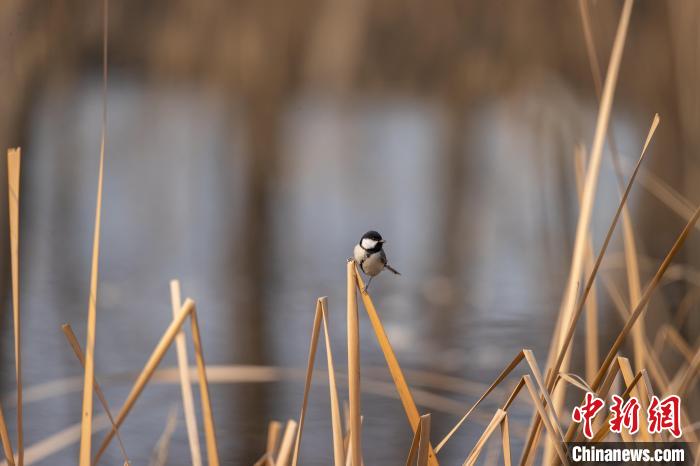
[
  {"x": 13, "y": 171},
  {"x": 525, "y": 381},
  {"x": 508, "y": 369},
  {"x": 86, "y": 429},
  {"x": 642, "y": 395},
  {"x": 75, "y": 345},
  {"x": 355, "y": 448},
  {"x": 148, "y": 370},
  {"x": 557, "y": 442},
  {"x": 576, "y": 381},
  {"x": 392, "y": 362},
  {"x": 207, "y": 413},
  {"x": 413, "y": 451},
  {"x": 287, "y": 444},
  {"x": 348, "y": 441},
  {"x": 476, "y": 451},
  {"x": 346, "y": 423},
  {"x": 185, "y": 385},
  {"x": 5, "y": 438},
  {"x": 43, "y": 449},
  {"x": 590, "y": 184},
  {"x": 274, "y": 428},
  {"x": 600, "y": 435},
  {"x": 159, "y": 456},
  {"x": 568, "y": 304},
  {"x": 313, "y": 346},
  {"x": 629, "y": 242},
  {"x": 528, "y": 356},
  {"x": 534, "y": 368},
  {"x": 338, "y": 449},
  {"x": 559, "y": 363},
  {"x": 505, "y": 441},
  {"x": 320, "y": 317},
  {"x": 264, "y": 460},
  {"x": 424, "y": 441},
  {"x": 592, "y": 357}
]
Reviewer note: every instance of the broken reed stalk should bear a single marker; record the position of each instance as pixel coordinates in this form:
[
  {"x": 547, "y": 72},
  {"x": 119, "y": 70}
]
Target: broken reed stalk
[
  {"x": 505, "y": 441},
  {"x": 559, "y": 363},
  {"x": 413, "y": 451},
  {"x": 5, "y": 438},
  {"x": 185, "y": 384},
  {"x": 78, "y": 351},
  {"x": 338, "y": 450},
  {"x": 525, "y": 381},
  {"x": 424, "y": 441},
  {"x": 13, "y": 171},
  {"x": 508, "y": 369},
  {"x": 86, "y": 426},
  {"x": 551, "y": 419},
  {"x": 321, "y": 317},
  {"x": 409, "y": 405},
  {"x": 188, "y": 310},
  {"x": 274, "y": 428},
  {"x": 313, "y": 346},
  {"x": 490, "y": 428},
  {"x": 355, "y": 447},
  {"x": 207, "y": 413},
  {"x": 287, "y": 444}
]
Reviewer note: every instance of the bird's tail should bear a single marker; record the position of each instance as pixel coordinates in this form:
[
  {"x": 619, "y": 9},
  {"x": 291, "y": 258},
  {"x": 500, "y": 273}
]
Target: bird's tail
[{"x": 393, "y": 270}]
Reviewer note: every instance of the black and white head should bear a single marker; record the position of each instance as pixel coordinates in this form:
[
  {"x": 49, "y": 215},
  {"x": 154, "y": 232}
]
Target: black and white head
[{"x": 372, "y": 241}]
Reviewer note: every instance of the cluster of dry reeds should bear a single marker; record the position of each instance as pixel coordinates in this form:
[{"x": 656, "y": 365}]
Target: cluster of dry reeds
[{"x": 549, "y": 429}]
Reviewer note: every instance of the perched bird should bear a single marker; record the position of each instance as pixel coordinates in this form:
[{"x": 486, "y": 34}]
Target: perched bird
[{"x": 369, "y": 255}]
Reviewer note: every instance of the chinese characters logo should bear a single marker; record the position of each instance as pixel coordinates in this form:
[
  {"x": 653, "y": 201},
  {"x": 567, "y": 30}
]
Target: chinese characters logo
[{"x": 662, "y": 415}]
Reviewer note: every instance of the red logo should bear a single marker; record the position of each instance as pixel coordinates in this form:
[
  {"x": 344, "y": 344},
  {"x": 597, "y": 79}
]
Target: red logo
[
  {"x": 624, "y": 415},
  {"x": 587, "y": 412},
  {"x": 662, "y": 415},
  {"x": 665, "y": 415}
]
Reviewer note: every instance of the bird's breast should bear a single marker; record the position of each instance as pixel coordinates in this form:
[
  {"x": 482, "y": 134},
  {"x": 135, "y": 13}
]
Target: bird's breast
[{"x": 373, "y": 264}]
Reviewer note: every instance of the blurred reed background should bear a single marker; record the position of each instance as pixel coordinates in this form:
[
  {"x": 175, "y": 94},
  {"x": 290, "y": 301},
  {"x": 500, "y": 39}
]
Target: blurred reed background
[{"x": 251, "y": 143}]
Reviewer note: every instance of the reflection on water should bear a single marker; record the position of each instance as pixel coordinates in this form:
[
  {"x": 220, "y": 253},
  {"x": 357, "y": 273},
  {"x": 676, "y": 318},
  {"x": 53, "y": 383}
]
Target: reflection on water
[{"x": 173, "y": 202}]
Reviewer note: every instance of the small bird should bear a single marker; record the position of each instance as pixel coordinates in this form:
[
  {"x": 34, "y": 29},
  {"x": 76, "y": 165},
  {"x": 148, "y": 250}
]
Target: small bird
[{"x": 369, "y": 255}]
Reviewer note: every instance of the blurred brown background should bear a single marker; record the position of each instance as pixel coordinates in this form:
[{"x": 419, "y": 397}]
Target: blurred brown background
[{"x": 251, "y": 143}]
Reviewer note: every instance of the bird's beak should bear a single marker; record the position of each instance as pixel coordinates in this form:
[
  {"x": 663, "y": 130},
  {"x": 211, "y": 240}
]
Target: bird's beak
[{"x": 382, "y": 241}]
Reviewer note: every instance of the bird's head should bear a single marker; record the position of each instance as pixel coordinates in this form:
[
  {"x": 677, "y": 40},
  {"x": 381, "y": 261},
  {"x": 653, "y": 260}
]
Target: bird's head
[{"x": 372, "y": 241}]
